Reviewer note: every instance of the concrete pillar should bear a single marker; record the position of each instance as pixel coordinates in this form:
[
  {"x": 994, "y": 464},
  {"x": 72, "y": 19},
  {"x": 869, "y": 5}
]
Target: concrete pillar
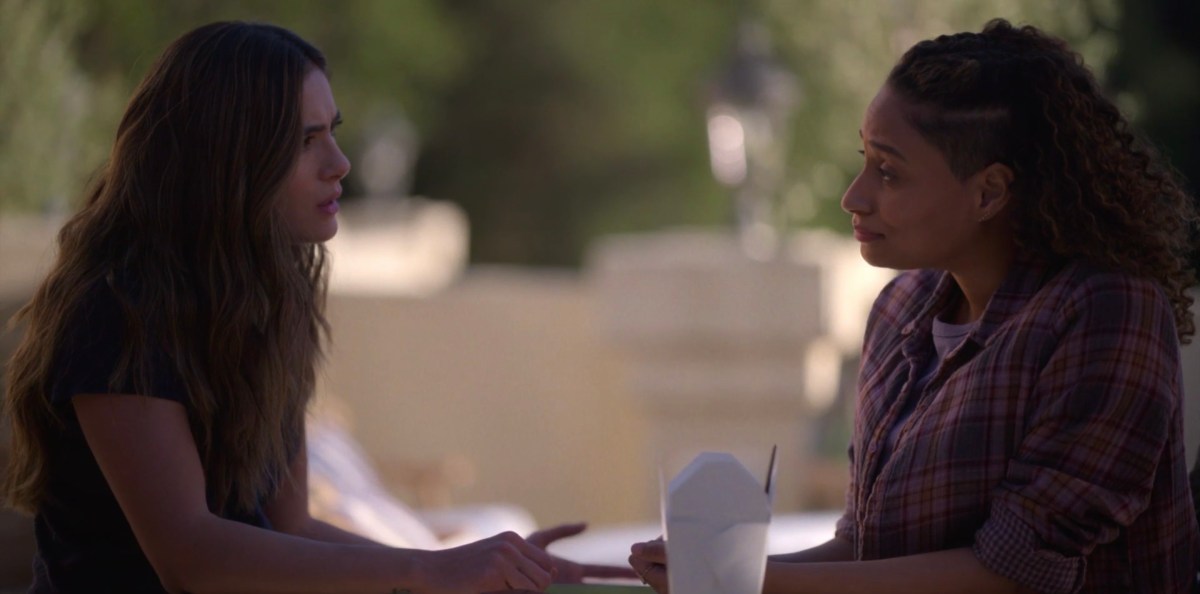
[{"x": 715, "y": 346}]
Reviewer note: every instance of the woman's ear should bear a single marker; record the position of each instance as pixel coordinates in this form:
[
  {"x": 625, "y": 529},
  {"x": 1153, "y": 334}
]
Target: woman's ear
[{"x": 993, "y": 190}]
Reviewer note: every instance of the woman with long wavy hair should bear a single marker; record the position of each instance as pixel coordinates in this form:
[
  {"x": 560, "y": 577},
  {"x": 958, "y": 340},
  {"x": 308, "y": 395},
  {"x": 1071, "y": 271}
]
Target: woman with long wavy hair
[
  {"x": 1018, "y": 424},
  {"x": 158, "y": 396}
]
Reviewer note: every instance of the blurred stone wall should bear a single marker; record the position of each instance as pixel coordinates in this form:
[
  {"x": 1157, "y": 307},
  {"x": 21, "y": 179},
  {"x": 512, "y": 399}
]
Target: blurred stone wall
[{"x": 506, "y": 370}]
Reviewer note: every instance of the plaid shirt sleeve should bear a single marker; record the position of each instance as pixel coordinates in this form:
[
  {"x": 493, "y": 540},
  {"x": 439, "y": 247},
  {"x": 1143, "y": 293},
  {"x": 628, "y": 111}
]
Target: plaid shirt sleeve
[{"x": 1096, "y": 426}]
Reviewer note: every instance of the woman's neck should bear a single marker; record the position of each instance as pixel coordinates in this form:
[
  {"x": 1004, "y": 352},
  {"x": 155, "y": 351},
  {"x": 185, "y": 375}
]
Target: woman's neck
[
  {"x": 976, "y": 295},
  {"x": 980, "y": 279}
]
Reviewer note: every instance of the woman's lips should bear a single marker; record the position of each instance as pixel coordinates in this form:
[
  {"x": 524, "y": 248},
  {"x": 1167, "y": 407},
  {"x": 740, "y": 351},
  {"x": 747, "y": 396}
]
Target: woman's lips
[
  {"x": 330, "y": 206},
  {"x": 865, "y": 236}
]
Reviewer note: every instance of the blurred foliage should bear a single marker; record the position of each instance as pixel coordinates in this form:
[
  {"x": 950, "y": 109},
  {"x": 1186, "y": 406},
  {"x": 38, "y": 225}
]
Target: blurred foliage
[
  {"x": 575, "y": 119},
  {"x": 69, "y": 66},
  {"x": 555, "y": 121},
  {"x": 50, "y": 110},
  {"x": 843, "y": 50},
  {"x": 1156, "y": 74}
]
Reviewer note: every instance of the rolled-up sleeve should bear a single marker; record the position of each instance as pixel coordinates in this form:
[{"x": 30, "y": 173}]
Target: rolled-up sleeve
[
  {"x": 1095, "y": 430},
  {"x": 1010, "y": 547}
]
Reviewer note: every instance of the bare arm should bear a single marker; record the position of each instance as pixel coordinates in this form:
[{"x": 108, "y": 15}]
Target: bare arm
[
  {"x": 835, "y": 549},
  {"x": 145, "y": 450},
  {"x": 951, "y": 571},
  {"x": 288, "y": 509},
  {"x": 649, "y": 560},
  {"x": 323, "y": 531}
]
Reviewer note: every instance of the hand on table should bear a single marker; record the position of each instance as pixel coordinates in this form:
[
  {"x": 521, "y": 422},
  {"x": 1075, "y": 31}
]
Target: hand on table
[
  {"x": 503, "y": 562},
  {"x": 570, "y": 572},
  {"x": 649, "y": 560}
]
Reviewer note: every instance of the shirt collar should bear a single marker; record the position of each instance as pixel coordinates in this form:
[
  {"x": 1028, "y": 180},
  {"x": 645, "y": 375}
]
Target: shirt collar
[{"x": 1024, "y": 279}]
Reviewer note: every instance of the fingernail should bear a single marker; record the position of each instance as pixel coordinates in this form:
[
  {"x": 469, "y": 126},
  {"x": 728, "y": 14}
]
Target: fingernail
[{"x": 637, "y": 548}]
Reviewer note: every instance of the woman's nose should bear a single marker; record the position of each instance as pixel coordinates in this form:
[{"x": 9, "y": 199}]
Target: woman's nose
[
  {"x": 855, "y": 200},
  {"x": 339, "y": 164}
]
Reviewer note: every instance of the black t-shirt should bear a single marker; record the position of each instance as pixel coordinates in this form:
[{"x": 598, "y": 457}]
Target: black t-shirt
[{"x": 84, "y": 543}]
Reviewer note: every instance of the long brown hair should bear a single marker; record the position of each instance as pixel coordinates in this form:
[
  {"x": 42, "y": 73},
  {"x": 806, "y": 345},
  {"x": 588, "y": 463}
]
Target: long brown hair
[
  {"x": 1085, "y": 187},
  {"x": 183, "y": 227}
]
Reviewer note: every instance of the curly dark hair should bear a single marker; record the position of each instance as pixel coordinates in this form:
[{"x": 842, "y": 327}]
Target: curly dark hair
[{"x": 1085, "y": 186}]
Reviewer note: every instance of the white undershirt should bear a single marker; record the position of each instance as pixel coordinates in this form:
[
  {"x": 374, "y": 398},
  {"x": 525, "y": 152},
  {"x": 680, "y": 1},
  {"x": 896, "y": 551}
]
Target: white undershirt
[{"x": 946, "y": 337}]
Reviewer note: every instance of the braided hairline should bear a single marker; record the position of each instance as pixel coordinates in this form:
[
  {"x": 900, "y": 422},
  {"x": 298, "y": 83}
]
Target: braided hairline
[{"x": 1085, "y": 186}]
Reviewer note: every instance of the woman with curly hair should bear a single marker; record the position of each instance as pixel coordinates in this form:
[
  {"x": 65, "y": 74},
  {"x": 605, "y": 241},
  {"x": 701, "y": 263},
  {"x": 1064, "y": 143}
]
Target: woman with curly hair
[
  {"x": 158, "y": 396},
  {"x": 1018, "y": 426}
]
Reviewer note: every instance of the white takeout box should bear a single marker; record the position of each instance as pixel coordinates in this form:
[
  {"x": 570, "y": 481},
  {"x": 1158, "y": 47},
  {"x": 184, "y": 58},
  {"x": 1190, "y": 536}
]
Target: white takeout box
[{"x": 717, "y": 516}]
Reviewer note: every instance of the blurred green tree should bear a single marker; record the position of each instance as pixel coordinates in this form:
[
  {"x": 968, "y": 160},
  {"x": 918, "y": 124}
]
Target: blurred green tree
[
  {"x": 1156, "y": 74},
  {"x": 573, "y": 119},
  {"x": 49, "y": 107},
  {"x": 68, "y": 66},
  {"x": 553, "y": 122}
]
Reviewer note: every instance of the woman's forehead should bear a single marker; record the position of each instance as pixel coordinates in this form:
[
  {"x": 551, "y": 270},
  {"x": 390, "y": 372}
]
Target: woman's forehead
[
  {"x": 886, "y": 122},
  {"x": 316, "y": 100},
  {"x": 884, "y": 117}
]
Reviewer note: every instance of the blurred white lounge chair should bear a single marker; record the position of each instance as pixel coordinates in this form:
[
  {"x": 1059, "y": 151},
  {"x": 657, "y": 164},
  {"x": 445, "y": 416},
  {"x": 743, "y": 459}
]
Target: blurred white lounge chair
[{"x": 346, "y": 491}]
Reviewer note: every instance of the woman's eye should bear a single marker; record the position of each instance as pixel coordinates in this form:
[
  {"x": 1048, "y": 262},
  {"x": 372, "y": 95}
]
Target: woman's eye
[{"x": 885, "y": 174}]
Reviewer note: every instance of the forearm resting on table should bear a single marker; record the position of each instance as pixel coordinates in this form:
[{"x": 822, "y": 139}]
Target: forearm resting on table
[
  {"x": 220, "y": 555},
  {"x": 835, "y": 549},
  {"x": 323, "y": 531},
  {"x": 952, "y": 571},
  {"x": 161, "y": 491}
]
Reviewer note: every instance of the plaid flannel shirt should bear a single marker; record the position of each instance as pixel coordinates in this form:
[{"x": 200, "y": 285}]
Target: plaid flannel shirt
[{"x": 1050, "y": 441}]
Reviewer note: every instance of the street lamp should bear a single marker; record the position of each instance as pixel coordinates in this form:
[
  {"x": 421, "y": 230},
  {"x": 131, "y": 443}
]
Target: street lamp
[{"x": 750, "y": 103}]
